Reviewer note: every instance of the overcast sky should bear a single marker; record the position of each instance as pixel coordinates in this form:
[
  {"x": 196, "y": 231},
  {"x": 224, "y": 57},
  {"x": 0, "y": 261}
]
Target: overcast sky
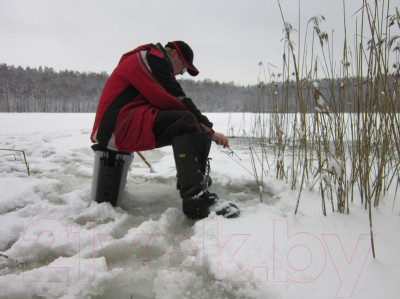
[{"x": 229, "y": 37}]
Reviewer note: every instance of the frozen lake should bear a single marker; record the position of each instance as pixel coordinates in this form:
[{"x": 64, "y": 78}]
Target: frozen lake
[{"x": 56, "y": 244}]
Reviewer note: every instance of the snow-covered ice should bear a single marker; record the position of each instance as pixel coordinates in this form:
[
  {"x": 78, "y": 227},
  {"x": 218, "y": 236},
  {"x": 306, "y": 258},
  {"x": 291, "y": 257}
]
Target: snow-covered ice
[{"x": 56, "y": 244}]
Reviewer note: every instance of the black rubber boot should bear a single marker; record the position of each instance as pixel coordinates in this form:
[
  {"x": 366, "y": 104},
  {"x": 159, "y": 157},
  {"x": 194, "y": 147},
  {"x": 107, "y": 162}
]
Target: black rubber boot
[
  {"x": 208, "y": 181},
  {"x": 191, "y": 160}
]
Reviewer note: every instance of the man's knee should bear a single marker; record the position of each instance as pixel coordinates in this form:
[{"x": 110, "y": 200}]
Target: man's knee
[
  {"x": 188, "y": 118},
  {"x": 188, "y": 122}
]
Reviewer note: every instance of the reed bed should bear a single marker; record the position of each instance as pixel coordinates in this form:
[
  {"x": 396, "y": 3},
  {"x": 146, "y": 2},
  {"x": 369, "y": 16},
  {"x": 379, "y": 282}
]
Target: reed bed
[{"x": 334, "y": 126}]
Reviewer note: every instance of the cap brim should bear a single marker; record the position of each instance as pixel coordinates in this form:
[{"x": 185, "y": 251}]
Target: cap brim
[{"x": 192, "y": 70}]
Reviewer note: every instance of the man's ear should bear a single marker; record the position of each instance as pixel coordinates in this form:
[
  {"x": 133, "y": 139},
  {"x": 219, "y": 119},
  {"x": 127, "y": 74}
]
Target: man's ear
[{"x": 173, "y": 53}]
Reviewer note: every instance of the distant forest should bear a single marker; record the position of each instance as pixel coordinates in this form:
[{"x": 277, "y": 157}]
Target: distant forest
[{"x": 45, "y": 90}]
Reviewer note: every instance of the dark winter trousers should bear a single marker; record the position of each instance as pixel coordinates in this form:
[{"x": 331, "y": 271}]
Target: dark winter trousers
[{"x": 170, "y": 124}]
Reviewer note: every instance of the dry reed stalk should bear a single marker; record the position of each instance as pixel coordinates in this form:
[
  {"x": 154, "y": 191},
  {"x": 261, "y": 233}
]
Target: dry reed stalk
[{"x": 343, "y": 154}]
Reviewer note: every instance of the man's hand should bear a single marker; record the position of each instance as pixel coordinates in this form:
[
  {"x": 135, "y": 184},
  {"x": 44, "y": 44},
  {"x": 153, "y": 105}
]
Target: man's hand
[{"x": 220, "y": 139}]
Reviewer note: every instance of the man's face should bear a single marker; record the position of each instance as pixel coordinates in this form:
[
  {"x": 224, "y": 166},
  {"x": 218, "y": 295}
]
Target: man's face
[{"x": 180, "y": 67}]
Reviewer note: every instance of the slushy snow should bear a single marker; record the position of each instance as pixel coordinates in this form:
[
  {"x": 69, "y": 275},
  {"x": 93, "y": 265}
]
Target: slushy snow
[{"x": 55, "y": 243}]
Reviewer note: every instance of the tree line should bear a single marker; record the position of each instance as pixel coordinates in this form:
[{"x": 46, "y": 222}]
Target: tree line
[{"x": 45, "y": 90}]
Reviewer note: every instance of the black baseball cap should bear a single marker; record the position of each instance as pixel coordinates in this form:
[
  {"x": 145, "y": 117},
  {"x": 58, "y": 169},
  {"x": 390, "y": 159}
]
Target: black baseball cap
[{"x": 186, "y": 53}]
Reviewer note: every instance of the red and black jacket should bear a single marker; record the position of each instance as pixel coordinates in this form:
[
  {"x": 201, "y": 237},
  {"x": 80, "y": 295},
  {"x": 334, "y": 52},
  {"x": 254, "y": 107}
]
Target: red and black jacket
[{"x": 142, "y": 84}]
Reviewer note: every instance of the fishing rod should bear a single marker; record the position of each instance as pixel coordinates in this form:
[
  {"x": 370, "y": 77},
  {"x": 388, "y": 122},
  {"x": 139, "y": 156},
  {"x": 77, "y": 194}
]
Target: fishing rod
[{"x": 231, "y": 154}]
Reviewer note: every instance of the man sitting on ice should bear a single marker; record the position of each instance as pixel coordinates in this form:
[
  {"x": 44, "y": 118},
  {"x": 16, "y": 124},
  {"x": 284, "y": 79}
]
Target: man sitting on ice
[{"x": 143, "y": 107}]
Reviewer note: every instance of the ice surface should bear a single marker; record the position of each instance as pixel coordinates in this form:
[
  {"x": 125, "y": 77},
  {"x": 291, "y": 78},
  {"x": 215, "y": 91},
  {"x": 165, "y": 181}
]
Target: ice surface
[{"x": 59, "y": 245}]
